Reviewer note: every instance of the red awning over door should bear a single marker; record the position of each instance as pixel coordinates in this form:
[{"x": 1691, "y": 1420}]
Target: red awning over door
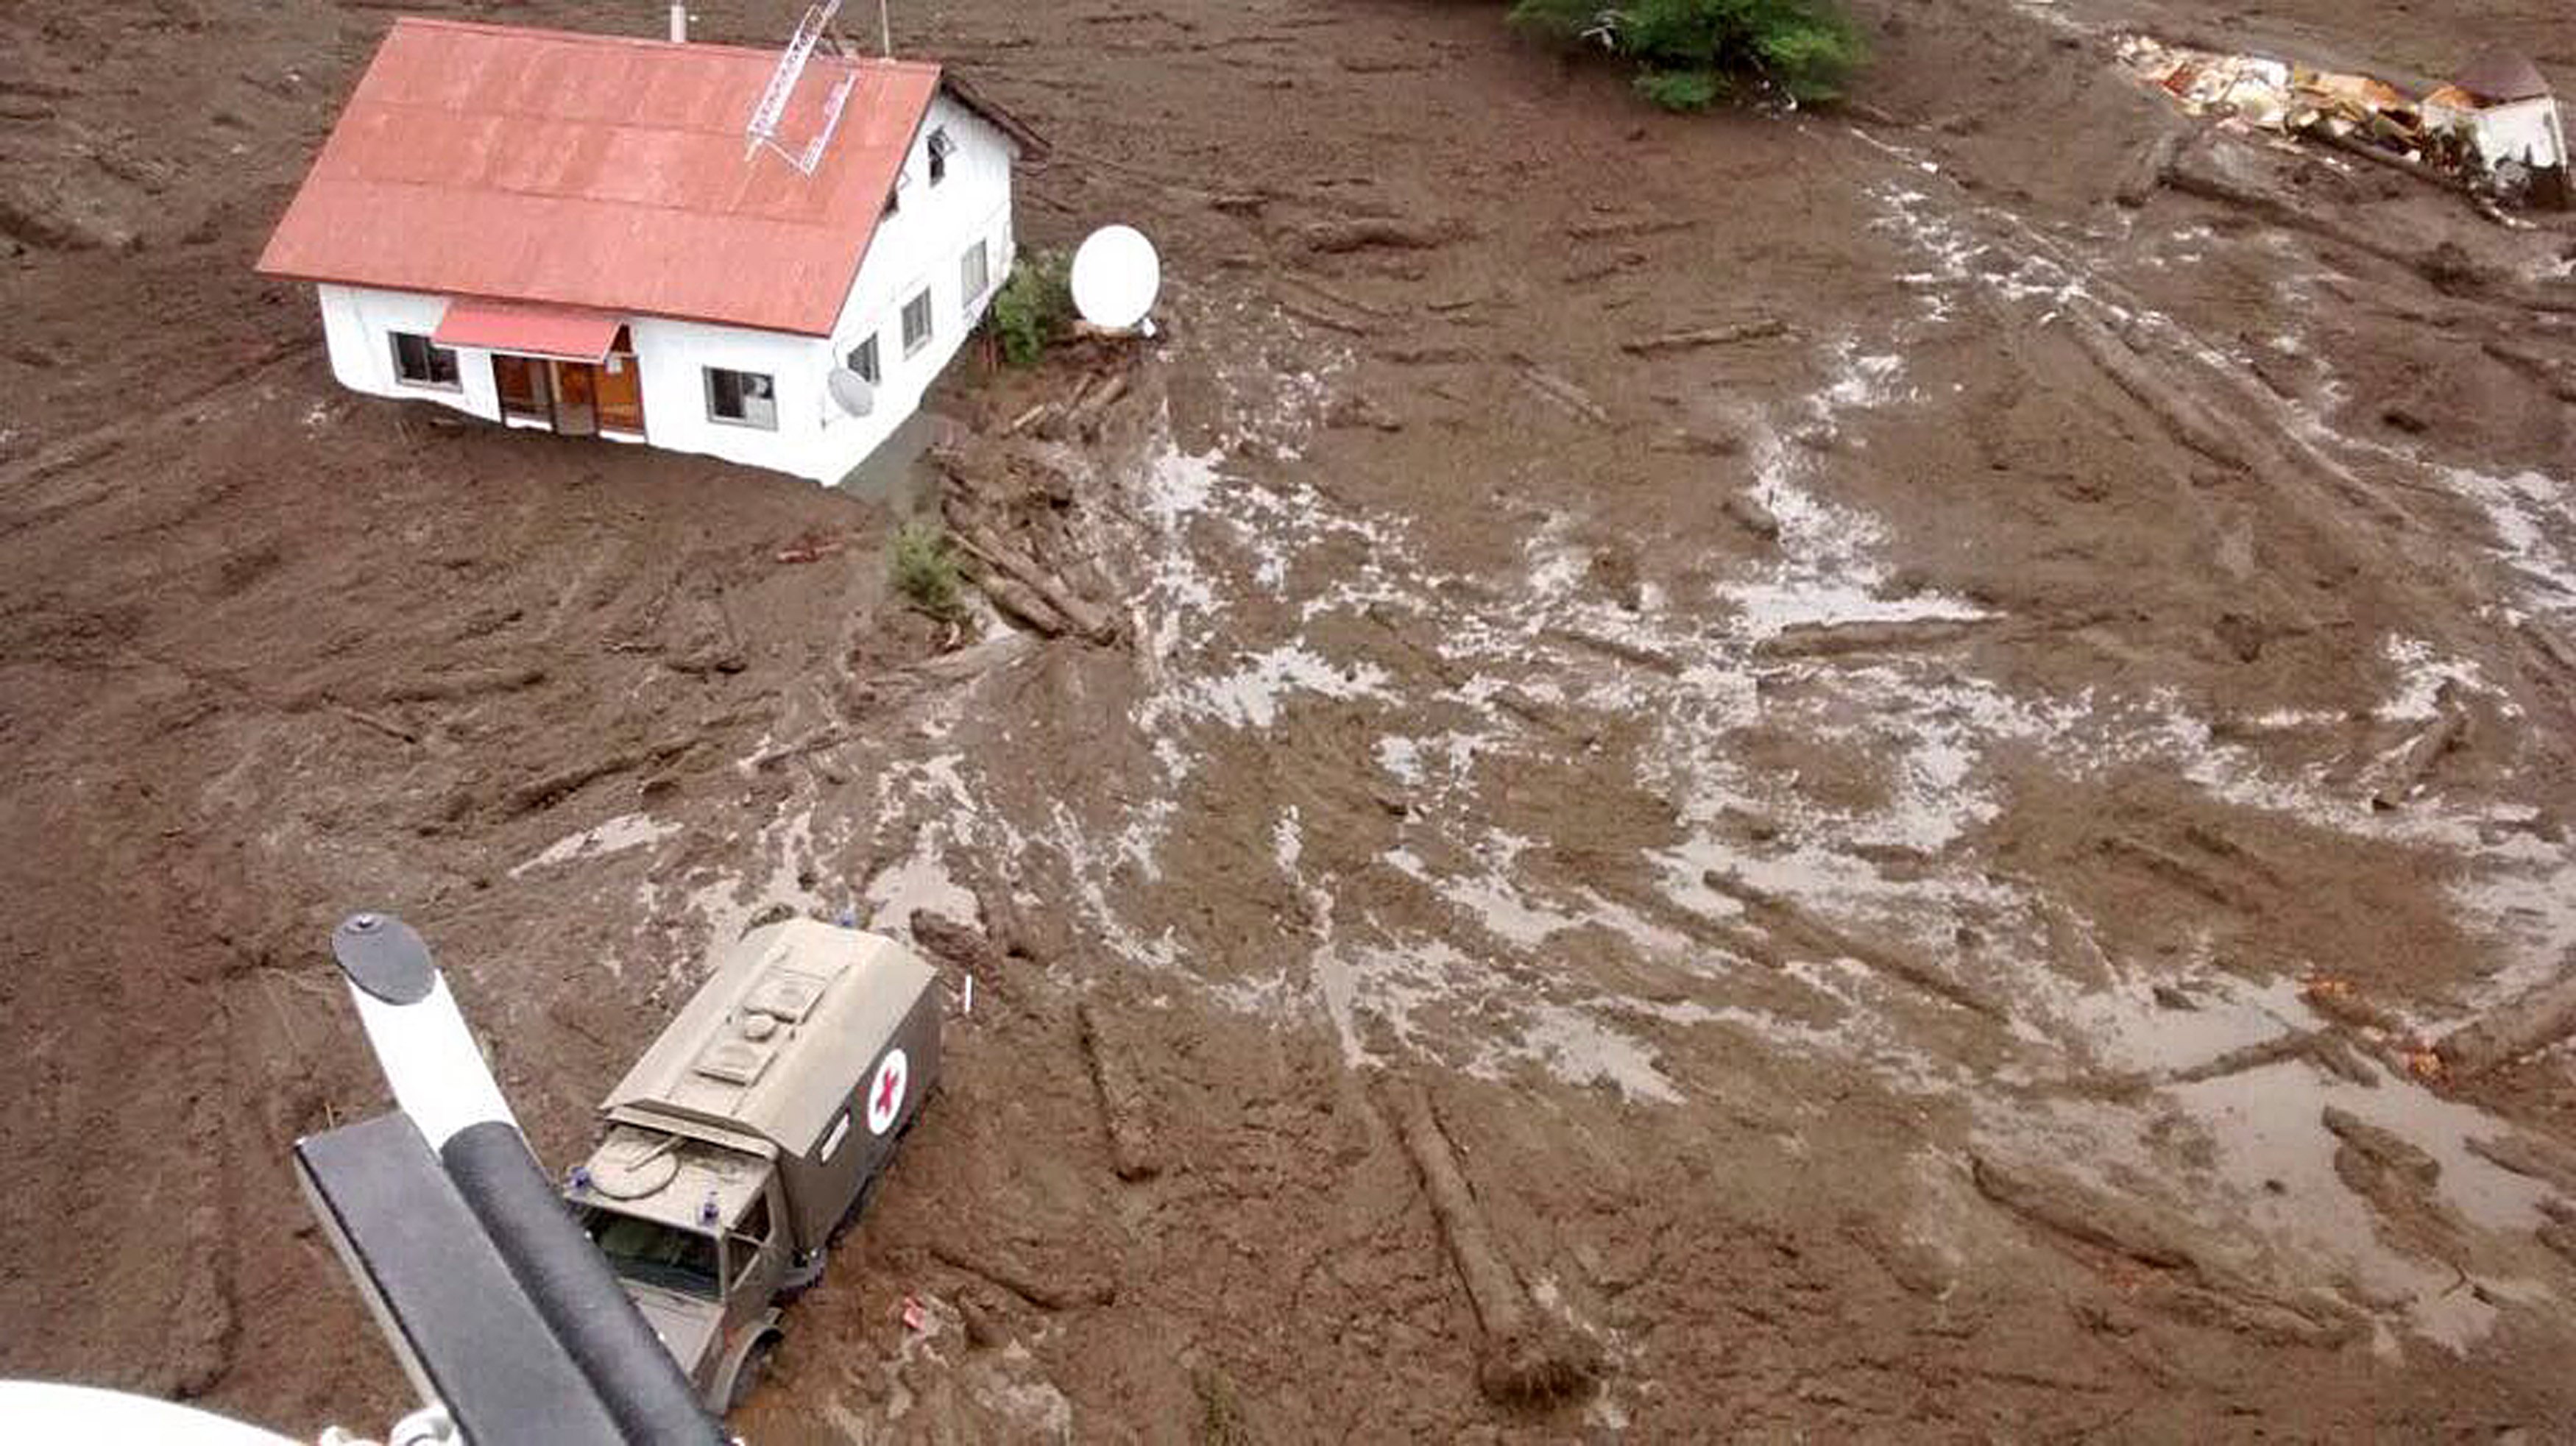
[{"x": 562, "y": 332}]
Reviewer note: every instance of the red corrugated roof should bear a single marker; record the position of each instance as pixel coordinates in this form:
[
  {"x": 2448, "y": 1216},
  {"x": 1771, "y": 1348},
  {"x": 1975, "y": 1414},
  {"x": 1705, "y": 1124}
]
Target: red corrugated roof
[
  {"x": 528, "y": 328},
  {"x": 598, "y": 171}
]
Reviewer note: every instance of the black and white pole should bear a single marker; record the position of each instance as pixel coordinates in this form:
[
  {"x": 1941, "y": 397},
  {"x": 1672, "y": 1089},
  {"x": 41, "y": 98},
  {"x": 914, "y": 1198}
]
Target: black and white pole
[{"x": 439, "y": 1079}]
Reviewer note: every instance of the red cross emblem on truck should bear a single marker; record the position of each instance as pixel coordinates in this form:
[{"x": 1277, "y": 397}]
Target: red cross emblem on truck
[{"x": 885, "y": 1093}]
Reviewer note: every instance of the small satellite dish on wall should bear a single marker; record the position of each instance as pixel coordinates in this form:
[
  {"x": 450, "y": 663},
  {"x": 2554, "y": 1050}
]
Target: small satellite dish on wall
[
  {"x": 1116, "y": 277},
  {"x": 851, "y": 391}
]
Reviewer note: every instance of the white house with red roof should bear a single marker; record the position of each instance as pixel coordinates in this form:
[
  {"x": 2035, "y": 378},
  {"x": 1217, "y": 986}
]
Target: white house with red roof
[{"x": 574, "y": 232}]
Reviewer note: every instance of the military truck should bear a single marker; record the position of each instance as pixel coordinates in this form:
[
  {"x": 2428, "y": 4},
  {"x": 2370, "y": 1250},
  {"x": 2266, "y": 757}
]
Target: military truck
[{"x": 752, "y": 1131}]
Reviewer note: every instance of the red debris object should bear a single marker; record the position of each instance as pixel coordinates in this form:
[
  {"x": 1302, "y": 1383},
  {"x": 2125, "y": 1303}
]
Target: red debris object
[{"x": 915, "y": 1319}]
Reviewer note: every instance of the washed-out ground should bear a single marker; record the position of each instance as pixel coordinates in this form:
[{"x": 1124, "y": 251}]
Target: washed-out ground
[{"x": 1907, "y": 862}]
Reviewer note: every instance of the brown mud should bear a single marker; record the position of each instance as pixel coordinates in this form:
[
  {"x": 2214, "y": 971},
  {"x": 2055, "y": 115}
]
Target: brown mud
[{"x": 1895, "y": 734}]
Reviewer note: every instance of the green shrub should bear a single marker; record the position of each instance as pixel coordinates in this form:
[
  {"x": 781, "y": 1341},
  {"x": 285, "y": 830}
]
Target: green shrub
[
  {"x": 1691, "y": 52},
  {"x": 1033, "y": 308},
  {"x": 925, "y": 571}
]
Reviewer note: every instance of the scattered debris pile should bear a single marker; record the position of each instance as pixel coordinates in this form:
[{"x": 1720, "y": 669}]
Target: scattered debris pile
[{"x": 2494, "y": 129}]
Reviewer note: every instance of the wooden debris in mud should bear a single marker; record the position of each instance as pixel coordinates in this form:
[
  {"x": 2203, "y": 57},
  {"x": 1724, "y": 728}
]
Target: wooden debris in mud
[
  {"x": 968, "y": 950},
  {"x": 1122, "y": 1103},
  {"x": 1031, "y": 592},
  {"x": 1317, "y": 316},
  {"x": 1622, "y": 226},
  {"x": 2323, "y": 1048},
  {"x": 1807, "y": 934},
  {"x": 1759, "y": 329},
  {"x": 550, "y": 788},
  {"x": 1620, "y": 649},
  {"x": 1831, "y": 640},
  {"x": 2147, "y": 169},
  {"x": 1389, "y": 233},
  {"x": 2448, "y": 732},
  {"x": 2172, "y": 868},
  {"x": 2525, "y": 1025},
  {"x": 1528, "y": 1356},
  {"x": 2182, "y": 414},
  {"x": 2527, "y": 1156},
  {"x": 1562, "y": 392},
  {"x": 2078, "y": 1214},
  {"x": 2184, "y": 1280},
  {"x": 2379, "y": 1149}
]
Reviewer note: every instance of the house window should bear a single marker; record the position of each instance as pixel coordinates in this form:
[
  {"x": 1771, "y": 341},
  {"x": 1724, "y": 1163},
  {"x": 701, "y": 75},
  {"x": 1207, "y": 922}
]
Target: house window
[
  {"x": 746, "y": 399},
  {"x": 941, "y": 148},
  {"x": 863, "y": 360},
  {"x": 974, "y": 275},
  {"x": 423, "y": 363},
  {"x": 916, "y": 322}
]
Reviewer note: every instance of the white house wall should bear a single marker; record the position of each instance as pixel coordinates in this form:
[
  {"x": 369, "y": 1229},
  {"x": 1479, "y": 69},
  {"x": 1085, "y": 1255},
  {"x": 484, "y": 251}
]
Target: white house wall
[
  {"x": 921, "y": 246},
  {"x": 357, "y": 325},
  {"x": 673, "y": 356}
]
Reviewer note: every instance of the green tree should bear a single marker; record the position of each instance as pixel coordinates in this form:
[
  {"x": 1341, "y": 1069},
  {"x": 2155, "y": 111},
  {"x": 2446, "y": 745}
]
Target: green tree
[
  {"x": 1689, "y": 53},
  {"x": 1033, "y": 307}
]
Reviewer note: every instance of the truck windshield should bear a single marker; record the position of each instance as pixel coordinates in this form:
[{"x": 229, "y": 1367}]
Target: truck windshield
[{"x": 654, "y": 1253}]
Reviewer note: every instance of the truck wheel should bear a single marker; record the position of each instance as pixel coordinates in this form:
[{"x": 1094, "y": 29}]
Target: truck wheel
[{"x": 747, "y": 1372}]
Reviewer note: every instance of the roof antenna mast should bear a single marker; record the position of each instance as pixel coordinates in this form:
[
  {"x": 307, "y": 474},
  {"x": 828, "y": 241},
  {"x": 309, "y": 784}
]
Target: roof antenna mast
[{"x": 762, "y": 130}]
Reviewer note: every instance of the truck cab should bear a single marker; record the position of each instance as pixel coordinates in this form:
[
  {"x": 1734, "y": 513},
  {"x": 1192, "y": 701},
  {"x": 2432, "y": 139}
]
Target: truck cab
[{"x": 752, "y": 1130}]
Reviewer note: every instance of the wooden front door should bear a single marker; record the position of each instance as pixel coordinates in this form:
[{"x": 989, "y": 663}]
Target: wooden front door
[
  {"x": 524, "y": 390},
  {"x": 576, "y": 399},
  {"x": 621, "y": 388}
]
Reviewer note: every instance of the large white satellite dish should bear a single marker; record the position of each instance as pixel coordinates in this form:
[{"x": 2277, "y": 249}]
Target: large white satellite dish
[
  {"x": 851, "y": 391},
  {"x": 1116, "y": 276}
]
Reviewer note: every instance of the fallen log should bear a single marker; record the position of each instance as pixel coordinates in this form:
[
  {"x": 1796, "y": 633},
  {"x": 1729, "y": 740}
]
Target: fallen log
[
  {"x": 1562, "y": 392},
  {"x": 1316, "y": 316},
  {"x": 2346, "y": 145},
  {"x": 2190, "y": 423},
  {"x": 1833, "y": 640},
  {"x": 2448, "y": 731},
  {"x": 2182, "y": 1280},
  {"x": 1625, "y": 226},
  {"x": 1333, "y": 238},
  {"x": 1100, "y": 399},
  {"x": 1524, "y": 1358},
  {"x": 1804, "y": 933},
  {"x": 2528, "y": 1024},
  {"x": 2148, "y": 170},
  {"x": 1081, "y": 616},
  {"x": 1122, "y": 1103},
  {"x": 967, "y": 950},
  {"x": 1761, "y": 329},
  {"x": 1019, "y": 602},
  {"x": 2316, "y": 1046},
  {"x": 2535, "y": 1159}
]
